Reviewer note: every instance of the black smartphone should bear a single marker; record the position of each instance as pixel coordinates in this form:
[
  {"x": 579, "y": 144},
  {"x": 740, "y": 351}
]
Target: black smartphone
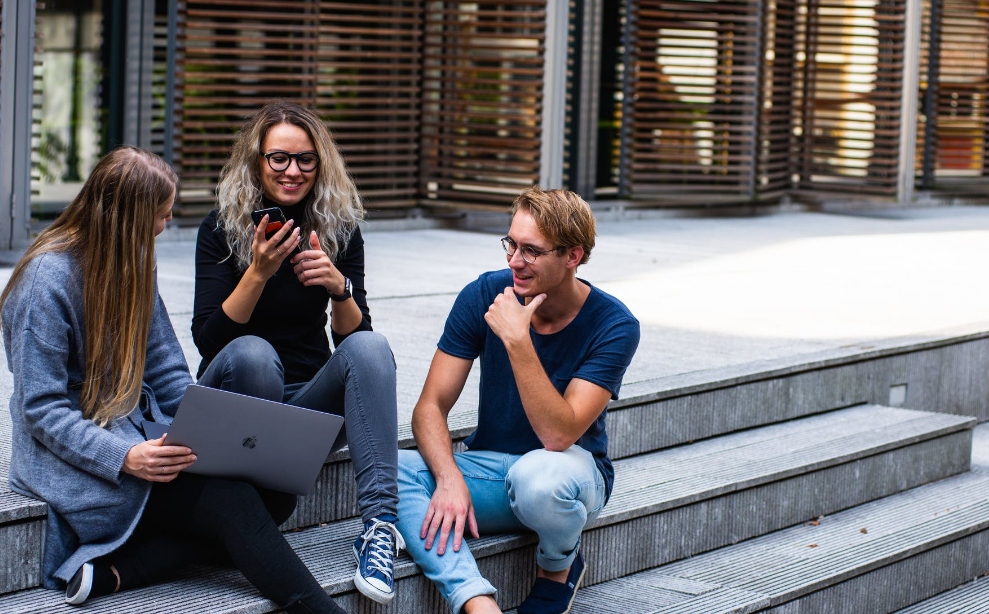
[{"x": 276, "y": 219}]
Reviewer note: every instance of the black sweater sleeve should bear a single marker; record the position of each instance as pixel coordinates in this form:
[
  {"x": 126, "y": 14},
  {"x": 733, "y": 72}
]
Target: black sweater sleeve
[
  {"x": 216, "y": 279},
  {"x": 351, "y": 263}
]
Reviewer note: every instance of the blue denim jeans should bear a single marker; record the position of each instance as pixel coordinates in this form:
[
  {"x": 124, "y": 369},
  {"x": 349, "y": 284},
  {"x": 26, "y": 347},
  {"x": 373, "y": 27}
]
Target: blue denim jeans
[
  {"x": 357, "y": 382},
  {"x": 554, "y": 494}
]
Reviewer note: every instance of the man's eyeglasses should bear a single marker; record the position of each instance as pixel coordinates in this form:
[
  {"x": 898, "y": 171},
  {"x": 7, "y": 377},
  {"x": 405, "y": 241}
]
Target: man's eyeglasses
[
  {"x": 529, "y": 254},
  {"x": 278, "y": 161}
]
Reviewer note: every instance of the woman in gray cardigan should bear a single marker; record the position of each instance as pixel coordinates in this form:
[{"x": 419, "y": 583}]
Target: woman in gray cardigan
[{"x": 93, "y": 356}]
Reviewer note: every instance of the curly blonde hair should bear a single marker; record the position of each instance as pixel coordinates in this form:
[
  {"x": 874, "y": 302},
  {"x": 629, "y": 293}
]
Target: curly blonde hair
[{"x": 335, "y": 207}]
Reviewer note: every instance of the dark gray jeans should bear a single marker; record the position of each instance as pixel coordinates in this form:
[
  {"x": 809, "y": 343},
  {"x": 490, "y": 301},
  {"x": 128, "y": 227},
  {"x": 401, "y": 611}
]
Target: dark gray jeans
[{"x": 357, "y": 382}]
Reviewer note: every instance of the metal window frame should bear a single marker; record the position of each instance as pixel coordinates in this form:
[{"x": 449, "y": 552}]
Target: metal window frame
[
  {"x": 138, "y": 71},
  {"x": 554, "y": 95},
  {"x": 909, "y": 103},
  {"x": 15, "y": 122}
]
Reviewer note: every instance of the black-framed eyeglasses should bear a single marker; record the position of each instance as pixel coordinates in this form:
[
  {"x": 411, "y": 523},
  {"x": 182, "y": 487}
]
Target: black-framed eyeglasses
[
  {"x": 529, "y": 253},
  {"x": 278, "y": 161}
]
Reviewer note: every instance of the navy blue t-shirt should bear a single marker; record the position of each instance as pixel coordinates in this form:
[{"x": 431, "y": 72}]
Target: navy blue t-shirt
[{"x": 596, "y": 346}]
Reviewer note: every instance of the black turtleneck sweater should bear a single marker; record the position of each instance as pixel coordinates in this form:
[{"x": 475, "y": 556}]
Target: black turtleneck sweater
[{"x": 290, "y": 316}]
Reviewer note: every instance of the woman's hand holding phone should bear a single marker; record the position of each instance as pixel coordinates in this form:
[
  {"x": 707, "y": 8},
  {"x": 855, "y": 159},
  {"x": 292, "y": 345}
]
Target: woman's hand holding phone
[{"x": 269, "y": 253}]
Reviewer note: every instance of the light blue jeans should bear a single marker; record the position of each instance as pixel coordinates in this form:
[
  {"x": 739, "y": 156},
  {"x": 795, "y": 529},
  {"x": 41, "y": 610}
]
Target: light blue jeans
[
  {"x": 554, "y": 494},
  {"x": 357, "y": 382}
]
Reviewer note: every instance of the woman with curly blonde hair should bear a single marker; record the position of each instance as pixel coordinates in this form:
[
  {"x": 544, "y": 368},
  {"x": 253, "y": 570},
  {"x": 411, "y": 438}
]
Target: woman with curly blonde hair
[{"x": 261, "y": 303}]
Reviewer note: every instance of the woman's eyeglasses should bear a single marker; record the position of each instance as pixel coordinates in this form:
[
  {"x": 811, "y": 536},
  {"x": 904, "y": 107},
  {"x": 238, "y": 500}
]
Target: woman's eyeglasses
[{"x": 278, "y": 161}]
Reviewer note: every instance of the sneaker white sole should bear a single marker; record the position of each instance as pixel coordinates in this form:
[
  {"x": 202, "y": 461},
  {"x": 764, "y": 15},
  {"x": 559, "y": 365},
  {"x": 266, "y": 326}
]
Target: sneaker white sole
[
  {"x": 366, "y": 588},
  {"x": 84, "y": 588}
]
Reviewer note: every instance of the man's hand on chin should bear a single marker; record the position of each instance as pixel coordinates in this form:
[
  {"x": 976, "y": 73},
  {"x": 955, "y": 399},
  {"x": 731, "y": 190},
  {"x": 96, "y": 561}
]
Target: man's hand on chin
[{"x": 509, "y": 319}]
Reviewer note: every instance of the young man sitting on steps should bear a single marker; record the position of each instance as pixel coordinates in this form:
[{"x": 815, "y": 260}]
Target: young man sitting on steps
[{"x": 553, "y": 351}]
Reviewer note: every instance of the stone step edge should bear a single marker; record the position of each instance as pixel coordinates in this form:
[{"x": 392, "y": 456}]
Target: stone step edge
[
  {"x": 969, "y": 598},
  {"x": 947, "y": 424}
]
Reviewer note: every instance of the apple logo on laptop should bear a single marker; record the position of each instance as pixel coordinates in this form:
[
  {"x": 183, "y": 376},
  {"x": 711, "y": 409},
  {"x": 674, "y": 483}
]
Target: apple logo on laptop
[{"x": 250, "y": 442}]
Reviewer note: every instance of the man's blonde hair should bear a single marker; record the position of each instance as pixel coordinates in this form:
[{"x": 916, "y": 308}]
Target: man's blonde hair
[{"x": 561, "y": 216}]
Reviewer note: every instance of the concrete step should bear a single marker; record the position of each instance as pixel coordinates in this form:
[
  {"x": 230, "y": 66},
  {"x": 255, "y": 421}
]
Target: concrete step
[
  {"x": 874, "y": 559},
  {"x": 969, "y": 598},
  {"x": 666, "y": 505}
]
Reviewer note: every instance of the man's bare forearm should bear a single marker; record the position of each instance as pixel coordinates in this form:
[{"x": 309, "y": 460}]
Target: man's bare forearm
[
  {"x": 433, "y": 440},
  {"x": 552, "y": 418}
]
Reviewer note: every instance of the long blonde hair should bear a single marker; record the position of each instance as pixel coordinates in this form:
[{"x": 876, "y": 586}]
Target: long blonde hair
[
  {"x": 110, "y": 228},
  {"x": 335, "y": 206}
]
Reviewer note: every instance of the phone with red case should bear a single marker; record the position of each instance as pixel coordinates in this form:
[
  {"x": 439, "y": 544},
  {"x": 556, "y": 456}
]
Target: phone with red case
[{"x": 276, "y": 219}]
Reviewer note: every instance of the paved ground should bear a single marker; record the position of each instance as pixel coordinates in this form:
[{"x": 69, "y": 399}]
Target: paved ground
[{"x": 710, "y": 293}]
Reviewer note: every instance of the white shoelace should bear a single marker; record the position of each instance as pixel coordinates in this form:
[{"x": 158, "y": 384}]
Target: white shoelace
[{"x": 384, "y": 546}]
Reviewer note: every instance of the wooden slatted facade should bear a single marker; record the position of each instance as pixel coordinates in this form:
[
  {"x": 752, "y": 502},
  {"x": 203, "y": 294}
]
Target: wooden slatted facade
[
  {"x": 691, "y": 121},
  {"x": 440, "y": 103},
  {"x": 368, "y": 85},
  {"x": 159, "y": 79},
  {"x": 482, "y": 100},
  {"x": 954, "y": 133},
  {"x": 849, "y": 88},
  {"x": 435, "y": 102},
  {"x": 357, "y": 65},
  {"x": 774, "y": 166},
  {"x": 233, "y": 56}
]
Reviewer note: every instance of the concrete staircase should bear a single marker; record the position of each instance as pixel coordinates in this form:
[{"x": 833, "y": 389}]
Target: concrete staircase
[
  {"x": 668, "y": 505},
  {"x": 790, "y": 489}
]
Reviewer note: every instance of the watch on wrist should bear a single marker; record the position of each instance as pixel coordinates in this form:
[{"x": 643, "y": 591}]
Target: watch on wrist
[{"x": 343, "y": 295}]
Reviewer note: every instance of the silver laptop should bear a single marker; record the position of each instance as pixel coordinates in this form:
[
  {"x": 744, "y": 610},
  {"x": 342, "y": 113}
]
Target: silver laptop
[{"x": 269, "y": 444}]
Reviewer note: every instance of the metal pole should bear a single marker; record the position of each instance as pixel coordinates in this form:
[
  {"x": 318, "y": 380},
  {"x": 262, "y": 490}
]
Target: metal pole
[
  {"x": 585, "y": 96},
  {"x": 625, "y": 131},
  {"x": 908, "y": 103},
  {"x": 15, "y": 127},
  {"x": 170, "y": 58},
  {"x": 554, "y": 95},
  {"x": 758, "y": 104},
  {"x": 930, "y": 98}
]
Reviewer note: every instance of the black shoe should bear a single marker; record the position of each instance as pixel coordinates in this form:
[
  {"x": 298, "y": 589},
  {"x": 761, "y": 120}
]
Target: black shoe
[
  {"x": 90, "y": 581},
  {"x": 548, "y": 597}
]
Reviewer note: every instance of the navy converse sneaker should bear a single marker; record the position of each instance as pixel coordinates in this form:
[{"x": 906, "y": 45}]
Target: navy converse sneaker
[
  {"x": 548, "y": 597},
  {"x": 375, "y": 551}
]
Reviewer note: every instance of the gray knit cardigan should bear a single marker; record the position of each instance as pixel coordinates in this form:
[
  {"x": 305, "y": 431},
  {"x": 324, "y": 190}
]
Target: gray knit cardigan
[{"x": 57, "y": 455}]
